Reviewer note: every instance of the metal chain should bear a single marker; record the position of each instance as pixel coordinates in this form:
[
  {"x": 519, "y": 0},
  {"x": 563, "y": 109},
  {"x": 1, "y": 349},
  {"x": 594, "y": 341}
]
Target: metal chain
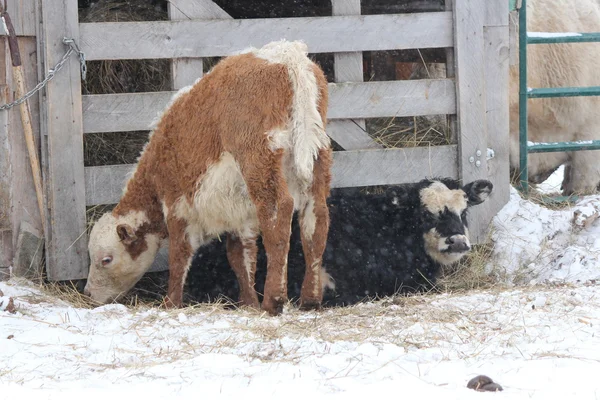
[{"x": 72, "y": 48}]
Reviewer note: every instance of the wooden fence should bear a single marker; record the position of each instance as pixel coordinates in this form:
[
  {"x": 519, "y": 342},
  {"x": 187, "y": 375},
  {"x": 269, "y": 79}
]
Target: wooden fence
[{"x": 474, "y": 32}]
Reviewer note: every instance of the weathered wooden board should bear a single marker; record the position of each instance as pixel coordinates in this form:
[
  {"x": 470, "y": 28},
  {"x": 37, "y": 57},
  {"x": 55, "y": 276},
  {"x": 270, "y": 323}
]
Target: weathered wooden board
[
  {"x": 496, "y": 13},
  {"x": 66, "y": 238},
  {"x": 5, "y": 170},
  {"x": 185, "y": 71},
  {"x": 195, "y": 9},
  {"x": 497, "y": 114},
  {"x": 470, "y": 87},
  {"x": 197, "y": 38},
  {"x": 136, "y": 111},
  {"x": 24, "y": 204},
  {"x": 23, "y": 16},
  {"x": 348, "y": 67},
  {"x": 104, "y": 185}
]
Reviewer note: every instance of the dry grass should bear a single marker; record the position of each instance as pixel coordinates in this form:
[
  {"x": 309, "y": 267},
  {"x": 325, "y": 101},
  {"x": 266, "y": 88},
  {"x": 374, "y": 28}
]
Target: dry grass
[
  {"x": 111, "y": 148},
  {"x": 121, "y": 76},
  {"x": 470, "y": 273},
  {"x": 410, "y": 131}
]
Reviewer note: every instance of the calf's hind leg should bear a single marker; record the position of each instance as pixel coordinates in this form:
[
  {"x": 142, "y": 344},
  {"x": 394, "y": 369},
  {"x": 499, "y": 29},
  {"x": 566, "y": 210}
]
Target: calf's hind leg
[
  {"x": 268, "y": 189},
  {"x": 314, "y": 227},
  {"x": 241, "y": 254}
]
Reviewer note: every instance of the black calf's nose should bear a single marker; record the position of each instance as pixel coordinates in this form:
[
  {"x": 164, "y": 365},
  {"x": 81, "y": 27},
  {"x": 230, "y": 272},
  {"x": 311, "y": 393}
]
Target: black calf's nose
[{"x": 458, "y": 243}]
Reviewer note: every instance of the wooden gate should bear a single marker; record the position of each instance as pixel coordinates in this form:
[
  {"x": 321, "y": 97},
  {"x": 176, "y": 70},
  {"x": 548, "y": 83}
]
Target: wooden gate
[{"x": 474, "y": 32}]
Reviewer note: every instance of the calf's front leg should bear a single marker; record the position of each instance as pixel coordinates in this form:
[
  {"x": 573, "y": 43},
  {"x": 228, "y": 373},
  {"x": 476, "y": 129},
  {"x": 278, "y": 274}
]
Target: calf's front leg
[{"x": 180, "y": 259}]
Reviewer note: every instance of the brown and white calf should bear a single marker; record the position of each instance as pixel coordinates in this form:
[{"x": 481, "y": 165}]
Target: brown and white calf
[{"x": 236, "y": 153}]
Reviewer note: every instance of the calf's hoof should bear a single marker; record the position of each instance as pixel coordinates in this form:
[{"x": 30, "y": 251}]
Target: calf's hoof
[
  {"x": 310, "y": 305},
  {"x": 249, "y": 302},
  {"x": 274, "y": 306},
  {"x": 170, "y": 304}
]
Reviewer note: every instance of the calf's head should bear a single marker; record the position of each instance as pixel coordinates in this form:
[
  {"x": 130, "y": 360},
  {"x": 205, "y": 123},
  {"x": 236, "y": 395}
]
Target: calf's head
[
  {"x": 121, "y": 248},
  {"x": 443, "y": 215}
]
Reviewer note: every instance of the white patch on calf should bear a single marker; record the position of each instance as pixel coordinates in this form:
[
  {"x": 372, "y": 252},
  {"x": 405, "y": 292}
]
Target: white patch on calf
[
  {"x": 435, "y": 245},
  {"x": 221, "y": 203},
  {"x": 316, "y": 265},
  {"x": 309, "y": 220},
  {"x": 108, "y": 282},
  {"x": 280, "y": 139},
  {"x": 327, "y": 281},
  {"x": 436, "y": 197}
]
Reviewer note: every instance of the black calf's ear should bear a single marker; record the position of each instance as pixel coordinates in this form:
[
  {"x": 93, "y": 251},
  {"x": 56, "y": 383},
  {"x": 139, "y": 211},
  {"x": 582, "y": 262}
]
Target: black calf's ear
[{"x": 478, "y": 191}]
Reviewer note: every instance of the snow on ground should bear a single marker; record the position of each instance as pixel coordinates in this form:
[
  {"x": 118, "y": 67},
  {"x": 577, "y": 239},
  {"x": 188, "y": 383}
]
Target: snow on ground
[
  {"x": 537, "y": 244},
  {"x": 537, "y": 341}
]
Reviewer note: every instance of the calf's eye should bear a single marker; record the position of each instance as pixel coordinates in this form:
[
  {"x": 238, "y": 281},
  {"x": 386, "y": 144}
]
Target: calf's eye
[{"x": 106, "y": 261}]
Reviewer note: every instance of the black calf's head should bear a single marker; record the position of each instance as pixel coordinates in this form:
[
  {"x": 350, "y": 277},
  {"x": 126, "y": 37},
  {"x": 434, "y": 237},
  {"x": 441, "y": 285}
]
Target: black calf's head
[{"x": 443, "y": 208}]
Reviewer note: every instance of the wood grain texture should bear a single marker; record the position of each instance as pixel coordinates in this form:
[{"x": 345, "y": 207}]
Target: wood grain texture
[
  {"x": 185, "y": 71},
  {"x": 23, "y": 16},
  {"x": 470, "y": 87},
  {"x": 351, "y": 134},
  {"x": 497, "y": 117},
  {"x": 496, "y": 13},
  {"x": 348, "y": 67},
  {"x": 66, "y": 254},
  {"x": 136, "y": 111},
  {"x": 195, "y": 38},
  {"x": 5, "y": 170},
  {"x": 24, "y": 205},
  {"x": 104, "y": 185}
]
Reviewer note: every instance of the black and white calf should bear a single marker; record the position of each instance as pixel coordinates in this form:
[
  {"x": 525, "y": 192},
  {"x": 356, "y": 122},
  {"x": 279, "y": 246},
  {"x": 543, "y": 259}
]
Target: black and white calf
[{"x": 378, "y": 244}]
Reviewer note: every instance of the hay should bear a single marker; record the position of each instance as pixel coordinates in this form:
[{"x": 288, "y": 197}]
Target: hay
[
  {"x": 122, "y": 76},
  {"x": 410, "y": 131}
]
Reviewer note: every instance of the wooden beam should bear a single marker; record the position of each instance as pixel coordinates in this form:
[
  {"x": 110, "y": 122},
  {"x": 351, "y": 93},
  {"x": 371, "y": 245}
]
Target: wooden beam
[
  {"x": 66, "y": 237},
  {"x": 185, "y": 71},
  {"x": 470, "y": 88},
  {"x": 348, "y": 67},
  {"x": 104, "y": 185},
  {"x": 197, "y": 38},
  {"x": 136, "y": 111}
]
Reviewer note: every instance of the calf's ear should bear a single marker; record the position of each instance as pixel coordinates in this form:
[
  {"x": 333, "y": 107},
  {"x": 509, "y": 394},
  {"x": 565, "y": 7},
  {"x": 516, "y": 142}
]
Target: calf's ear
[
  {"x": 126, "y": 233},
  {"x": 478, "y": 191}
]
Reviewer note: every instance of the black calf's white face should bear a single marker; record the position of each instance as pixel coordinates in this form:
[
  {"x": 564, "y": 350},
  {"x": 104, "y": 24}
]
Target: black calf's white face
[{"x": 444, "y": 217}]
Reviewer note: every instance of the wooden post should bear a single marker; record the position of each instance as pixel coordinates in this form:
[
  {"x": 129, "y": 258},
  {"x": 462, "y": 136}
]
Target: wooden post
[
  {"x": 6, "y": 247},
  {"x": 470, "y": 92},
  {"x": 66, "y": 237},
  {"x": 19, "y": 81},
  {"x": 348, "y": 67},
  {"x": 497, "y": 59}
]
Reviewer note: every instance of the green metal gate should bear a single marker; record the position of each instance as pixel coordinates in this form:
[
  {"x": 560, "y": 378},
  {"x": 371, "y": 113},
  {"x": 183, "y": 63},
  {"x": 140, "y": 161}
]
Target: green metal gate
[{"x": 525, "y": 93}]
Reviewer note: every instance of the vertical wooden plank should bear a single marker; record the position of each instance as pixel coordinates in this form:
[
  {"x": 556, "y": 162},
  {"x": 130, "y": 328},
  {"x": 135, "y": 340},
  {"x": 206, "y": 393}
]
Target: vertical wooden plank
[
  {"x": 497, "y": 57},
  {"x": 496, "y": 13},
  {"x": 22, "y": 14},
  {"x": 6, "y": 247},
  {"x": 451, "y": 73},
  {"x": 185, "y": 71},
  {"x": 348, "y": 67},
  {"x": 24, "y": 200},
  {"x": 470, "y": 91},
  {"x": 66, "y": 235}
]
